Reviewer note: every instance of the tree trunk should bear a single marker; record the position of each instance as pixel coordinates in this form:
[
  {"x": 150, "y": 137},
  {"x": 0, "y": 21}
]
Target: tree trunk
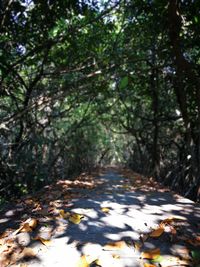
[{"x": 185, "y": 69}]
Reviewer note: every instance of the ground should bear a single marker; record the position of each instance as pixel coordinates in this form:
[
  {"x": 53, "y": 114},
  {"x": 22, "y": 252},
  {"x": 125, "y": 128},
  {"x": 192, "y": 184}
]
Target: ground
[{"x": 112, "y": 218}]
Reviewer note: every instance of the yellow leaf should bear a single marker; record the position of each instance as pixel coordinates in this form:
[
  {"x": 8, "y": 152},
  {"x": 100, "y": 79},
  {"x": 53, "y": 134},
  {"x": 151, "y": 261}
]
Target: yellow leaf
[
  {"x": 75, "y": 218},
  {"x": 106, "y": 210},
  {"x": 115, "y": 245},
  {"x": 156, "y": 233},
  {"x": 151, "y": 254},
  {"x": 83, "y": 262},
  {"x": 149, "y": 265},
  {"x": 44, "y": 241},
  {"x": 64, "y": 214}
]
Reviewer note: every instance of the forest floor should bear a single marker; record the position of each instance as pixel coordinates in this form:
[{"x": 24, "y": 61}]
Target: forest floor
[{"x": 114, "y": 218}]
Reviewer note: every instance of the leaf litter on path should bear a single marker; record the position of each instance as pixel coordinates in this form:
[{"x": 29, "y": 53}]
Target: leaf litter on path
[{"x": 43, "y": 207}]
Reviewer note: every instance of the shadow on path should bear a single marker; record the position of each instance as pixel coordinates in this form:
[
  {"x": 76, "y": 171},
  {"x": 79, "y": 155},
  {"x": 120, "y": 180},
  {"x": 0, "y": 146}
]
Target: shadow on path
[{"x": 130, "y": 215}]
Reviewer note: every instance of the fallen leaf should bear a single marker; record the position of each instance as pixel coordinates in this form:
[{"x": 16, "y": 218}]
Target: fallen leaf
[
  {"x": 175, "y": 261},
  {"x": 151, "y": 254},
  {"x": 156, "y": 233},
  {"x": 64, "y": 214},
  {"x": 25, "y": 228},
  {"x": 149, "y": 265},
  {"x": 4, "y": 261},
  {"x": 105, "y": 210},
  {"x": 158, "y": 259},
  {"x": 172, "y": 219},
  {"x": 195, "y": 241},
  {"x": 28, "y": 252},
  {"x": 115, "y": 245},
  {"x": 28, "y": 226},
  {"x": 115, "y": 256},
  {"x": 98, "y": 262},
  {"x": 25, "y": 254},
  {"x": 44, "y": 241},
  {"x": 173, "y": 230},
  {"x": 33, "y": 223},
  {"x": 137, "y": 245},
  {"x": 75, "y": 218},
  {"x": 83, "y": 262}
]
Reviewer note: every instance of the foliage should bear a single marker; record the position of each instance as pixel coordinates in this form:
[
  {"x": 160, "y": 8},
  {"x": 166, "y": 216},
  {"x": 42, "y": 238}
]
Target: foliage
[{"x": 90, "y": 82}]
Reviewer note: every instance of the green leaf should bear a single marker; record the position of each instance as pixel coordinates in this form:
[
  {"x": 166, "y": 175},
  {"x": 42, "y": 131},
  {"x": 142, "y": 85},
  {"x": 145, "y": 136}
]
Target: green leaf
[
  {"x": 195, "y": 255},
  {"x": 196, "y": 19},
  {"x": 158, "y": 259},
  {"x": 123, "y": 82}
]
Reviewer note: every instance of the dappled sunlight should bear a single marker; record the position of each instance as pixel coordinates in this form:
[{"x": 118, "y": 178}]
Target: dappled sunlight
[{"x": 114, "y": 228}]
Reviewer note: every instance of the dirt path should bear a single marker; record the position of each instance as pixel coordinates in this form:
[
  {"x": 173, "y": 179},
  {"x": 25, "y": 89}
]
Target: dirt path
[{"x": 128, "y": 217}]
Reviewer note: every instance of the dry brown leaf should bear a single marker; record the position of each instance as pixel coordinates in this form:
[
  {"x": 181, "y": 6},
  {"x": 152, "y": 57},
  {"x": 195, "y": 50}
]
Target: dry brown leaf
[
  {"x": 44, "y": 241},
  {"x": 2, "y": 241},
  {"x": 29, "y": 201},
  {"x": 28, "y": 226},
  {"x": 25, "y": 228},
  {"x": 43, "y": 212},
  {"x": 173, "y": 230},
  {"x": 19, "y": 254},
  {"x": 151, "y": 254},
  {"x": 194, "y": 242},
  {"x": 175, "y": 261},
  {"x": 33, "y": 223},
  {"x": 137, "y": 245},
  {"x": 166, "y": 221},
  {"x": 3, "y": 248},
  {"x": 28, "y": 253},
  {"x": 4, "y": 260},
  {"x": 156, "y": 233},
  {"x": 172, "y": 219},
  {"x": 115, "y": 256},
  {"x": 183, "y": 253},
  {"x": 115, "y": 245}
]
